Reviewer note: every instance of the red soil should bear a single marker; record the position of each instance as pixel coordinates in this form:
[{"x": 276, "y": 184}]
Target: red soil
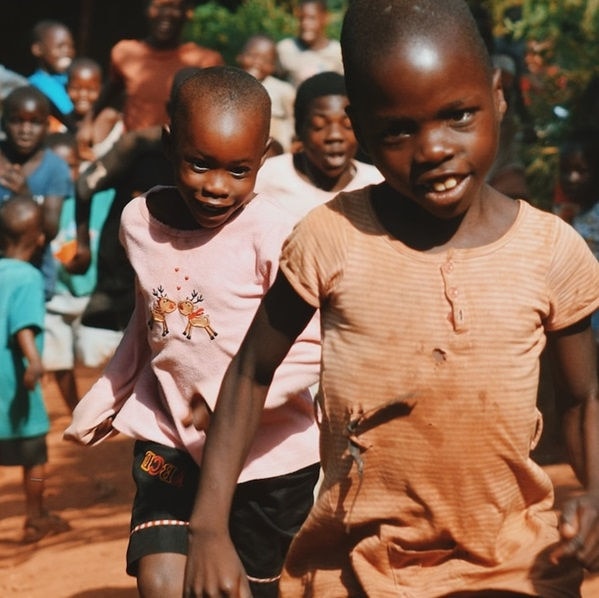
[{"x": 92, "y": 489}]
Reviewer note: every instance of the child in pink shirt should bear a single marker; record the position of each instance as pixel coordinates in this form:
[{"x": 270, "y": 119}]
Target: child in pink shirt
[{"x": 204, "y": 253}]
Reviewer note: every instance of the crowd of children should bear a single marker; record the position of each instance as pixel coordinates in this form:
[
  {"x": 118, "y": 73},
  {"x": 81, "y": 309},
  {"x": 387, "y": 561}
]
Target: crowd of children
[{"x": 309, "y": 262}]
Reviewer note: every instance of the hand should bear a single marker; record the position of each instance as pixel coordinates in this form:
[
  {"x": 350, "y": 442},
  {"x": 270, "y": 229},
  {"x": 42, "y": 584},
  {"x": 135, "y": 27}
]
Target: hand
[
  {"x": 85, "y": 133},
  {"x": 579, "y": 529},
  {"x": 213, "y": 567},
  {"x": 199, "y": 413},
  {"x": 13, "y": 178},
  {"x": 102, "y": 429},
  {"x": 32, "y": 375},
  {"x": 79, "y": 263},
  {"x": 86, "y": 153}
]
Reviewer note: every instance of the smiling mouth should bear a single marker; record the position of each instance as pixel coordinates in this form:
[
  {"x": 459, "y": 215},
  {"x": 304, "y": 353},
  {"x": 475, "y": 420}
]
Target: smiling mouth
[
  {"x": 442, "y": 185},
  {"x": 212, "y": 209}
]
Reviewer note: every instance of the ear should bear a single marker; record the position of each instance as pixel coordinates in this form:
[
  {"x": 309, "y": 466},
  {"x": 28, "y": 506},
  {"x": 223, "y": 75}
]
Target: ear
[
  {"x": 266, "y": 150},
  {"x": 167, "y": 141},
  {"x": 36, "y": 49},
  {"x": 499, "y": 98}
]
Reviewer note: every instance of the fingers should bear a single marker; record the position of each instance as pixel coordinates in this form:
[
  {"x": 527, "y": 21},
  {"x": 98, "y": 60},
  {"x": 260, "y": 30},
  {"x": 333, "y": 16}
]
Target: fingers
[
  {"x": 580, "y": 533},
  {"x": 199, "y": 413}
]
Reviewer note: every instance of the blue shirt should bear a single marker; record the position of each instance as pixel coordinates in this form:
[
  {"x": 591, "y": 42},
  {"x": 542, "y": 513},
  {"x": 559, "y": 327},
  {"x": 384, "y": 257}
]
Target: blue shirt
[
  {"x": 54, "y": 87},
  {"x": 51, "y": 177}
]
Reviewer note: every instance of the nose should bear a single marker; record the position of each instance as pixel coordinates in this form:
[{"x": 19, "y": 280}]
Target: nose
[
  {"x": 433, "y": 146},
  {"x": 335, "y": 132},
  {"x": 27, "y": 127},
  {"x": 215, "y": 185}
]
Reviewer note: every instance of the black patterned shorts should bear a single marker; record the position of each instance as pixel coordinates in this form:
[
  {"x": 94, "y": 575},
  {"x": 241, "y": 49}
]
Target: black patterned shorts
[{"x": 265, "y": 514}]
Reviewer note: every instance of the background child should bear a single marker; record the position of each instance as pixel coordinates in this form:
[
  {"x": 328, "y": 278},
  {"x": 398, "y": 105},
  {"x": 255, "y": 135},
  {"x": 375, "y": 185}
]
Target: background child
[
  {"x": 83, "y": 86},
  {"x": 204, "y": 253},
  {"x": 325, "y": 163},
  {"x": 259, "y": 58},
  {"x": 72, "y": 292},
  {"x": 311, "y": 51},
  {"x": 27, "y": 167},
  {"x": 143, "y": 70},
  {"x": 53, "y": 47},
  {"x": 23, "y": 419},
  {"x": 579, "y": 187},
  {"x": 437, "y": 296}
]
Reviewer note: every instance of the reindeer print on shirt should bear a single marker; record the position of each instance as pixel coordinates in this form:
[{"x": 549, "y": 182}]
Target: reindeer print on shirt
[
  {"x": 194, "y": 315},
  {"x": 162, "y": 306}
]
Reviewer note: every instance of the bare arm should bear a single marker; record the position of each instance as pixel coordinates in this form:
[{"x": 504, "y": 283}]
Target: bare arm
[
  {"x": 103, "y": 174},
  {"x": 111, "y": 91},
  {"x": 33, "y": 373},
  {"x": 52, "y": 207},
  {"x": 575, "y": 357},
  {"x": 213, "y": 568}
]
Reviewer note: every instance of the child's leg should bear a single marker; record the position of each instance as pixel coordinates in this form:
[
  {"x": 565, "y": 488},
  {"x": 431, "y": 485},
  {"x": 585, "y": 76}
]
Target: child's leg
[
  {"x": 59, "y": 349},
  {"x": 34, "y": 485},
  {"x": 265, "y": 516},
  {"x": 65, "y": 380},
  {"x": 38, "y": 522},
  {"x": 166, "y": 480},
  {"x": 161, "y": 575}
]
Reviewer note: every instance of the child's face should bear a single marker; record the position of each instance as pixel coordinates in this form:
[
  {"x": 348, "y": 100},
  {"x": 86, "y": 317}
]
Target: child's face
[
  {"x": 166, "y": 19},
  {"x": 25, "y": 126},
  {"x": 537, "y": 55},
  {"x": 312, "y": 22},
  {"x": 576, "y": 178},
  {"x": 84, "y": 88},
  {"x": 328, "y": 139},
  {"x": 258, "y": 59},
  {"x": 429, "y": 116},
  {"x": 56, "y": 50},
  {"x": 216, "y": 165}
]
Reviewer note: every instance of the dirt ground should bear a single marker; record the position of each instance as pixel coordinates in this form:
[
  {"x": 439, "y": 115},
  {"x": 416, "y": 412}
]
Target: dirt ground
[{"x": 92, "y": 489}]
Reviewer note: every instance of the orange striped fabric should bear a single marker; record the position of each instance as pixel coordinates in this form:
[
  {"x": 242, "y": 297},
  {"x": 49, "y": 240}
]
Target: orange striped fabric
[{"x": 428, "y": 392}]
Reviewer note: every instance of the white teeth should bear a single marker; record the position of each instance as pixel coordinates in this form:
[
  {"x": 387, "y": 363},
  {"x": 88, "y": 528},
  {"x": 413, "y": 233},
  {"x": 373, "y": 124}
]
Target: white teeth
[{"x": 450, "y": 183}]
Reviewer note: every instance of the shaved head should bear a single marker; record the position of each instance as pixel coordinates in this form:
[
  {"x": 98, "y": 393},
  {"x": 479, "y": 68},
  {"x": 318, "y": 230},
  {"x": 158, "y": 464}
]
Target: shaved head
[
  {"x": 229, "y": 88},
  {"x": 372, "y": 29},
  {"x": 20, "y": 216}
]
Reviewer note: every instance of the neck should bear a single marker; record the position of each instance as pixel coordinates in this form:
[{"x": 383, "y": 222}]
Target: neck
[
  {"x": 318, "y": 44},
  {"x": 14, "y": 157},
  {"x": 412, "y": 224},
  {"x": 19, "y": 251},
  {"x": 160, "y": 44}
]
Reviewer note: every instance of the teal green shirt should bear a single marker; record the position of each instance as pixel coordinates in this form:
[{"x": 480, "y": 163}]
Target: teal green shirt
[
  {"x": 22, "y": 412},
  {"x": 81, "y": 285}
]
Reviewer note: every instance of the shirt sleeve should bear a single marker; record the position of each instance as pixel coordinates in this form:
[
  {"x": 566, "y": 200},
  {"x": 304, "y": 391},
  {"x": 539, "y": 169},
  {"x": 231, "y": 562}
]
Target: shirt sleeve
[
  {"x": 313, "y": 255},
  {"x": 573, "y": 279},
  {"x": 28, "y": 302}
]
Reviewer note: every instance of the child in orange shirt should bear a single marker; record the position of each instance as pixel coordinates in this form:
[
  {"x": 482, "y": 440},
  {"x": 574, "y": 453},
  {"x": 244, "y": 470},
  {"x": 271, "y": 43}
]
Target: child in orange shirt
[{"x": 437, "y": 295}]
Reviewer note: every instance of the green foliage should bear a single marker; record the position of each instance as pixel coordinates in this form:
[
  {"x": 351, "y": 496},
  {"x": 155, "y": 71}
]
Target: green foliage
[
  {"x": 218, "y": 28},
  {"x": 572, "y": 26}
]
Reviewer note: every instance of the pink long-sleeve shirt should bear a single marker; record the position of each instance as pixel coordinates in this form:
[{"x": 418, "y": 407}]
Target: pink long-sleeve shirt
[{"x": 197, "y": 292}]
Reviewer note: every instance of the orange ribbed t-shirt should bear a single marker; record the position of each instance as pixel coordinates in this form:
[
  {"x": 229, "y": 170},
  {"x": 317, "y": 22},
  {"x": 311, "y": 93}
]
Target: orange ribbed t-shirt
[{"x": 430, "y": 366}]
